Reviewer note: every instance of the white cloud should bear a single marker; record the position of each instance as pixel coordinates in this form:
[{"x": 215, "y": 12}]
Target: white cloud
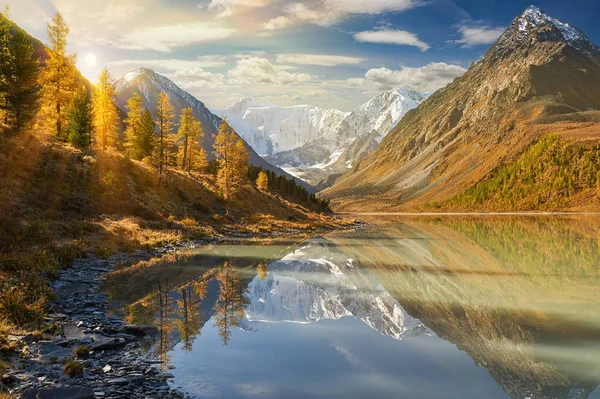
[
  {"x": 426, "y": 78},
  {"x": 370, "y": 6},
  {"x": 165, "y": 38},
  {"x": 250, "y": 54},
  {"x": 476, "y": 35},
  {"x": 391, "y": 36},
  {"x": 197, "y": 78},
  {"x": 172, "y": 64},
  {"x": 260, "y": 70},
  {"x": 356, "y": 82},
  {"x": 318, "y": 59},
  {"x": 226, "y": 8},
  {"x": 277, "y": 23},
  {"x": 328, "y": 12}
]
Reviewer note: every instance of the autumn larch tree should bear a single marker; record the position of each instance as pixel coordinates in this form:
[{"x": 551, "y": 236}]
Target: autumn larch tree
[
  {"x": 164, "y": 121},
  {"x": 262, "y": 181},
  {"x": 232, "y": 158},
  {"x": 191, "y": 154},
  {"x": 106, "y": 118},
  {"x": 79, "y": 119},
  {"x": 58, "y": 78}
]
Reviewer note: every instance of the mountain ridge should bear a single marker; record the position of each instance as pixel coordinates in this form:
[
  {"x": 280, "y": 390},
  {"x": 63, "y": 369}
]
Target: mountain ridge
[{"x": 532, "y": 81}]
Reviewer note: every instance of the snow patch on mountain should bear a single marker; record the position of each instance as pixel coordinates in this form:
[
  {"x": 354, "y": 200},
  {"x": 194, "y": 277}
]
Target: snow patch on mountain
[
  {"x": 376, "y": 118},
  {"x": 270, "y": 129}
]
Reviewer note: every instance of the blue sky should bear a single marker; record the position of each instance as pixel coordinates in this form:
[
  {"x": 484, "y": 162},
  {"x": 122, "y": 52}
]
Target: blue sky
[{"x": 330, "y": 53}]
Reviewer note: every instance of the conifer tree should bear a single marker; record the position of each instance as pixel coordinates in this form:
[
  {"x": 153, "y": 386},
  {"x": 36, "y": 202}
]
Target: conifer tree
[
  {"x": 19, "y": 73},
  {"x": 191, "y": 154},
  {"x": 5, "y": 62},
  {"x": 232, "y": 158},
  {"x": 140, "y": 141},
  {"x": 58, "y": 78},
  {"x": 146, "y": 140},
  {"x": 22, "y": 97},
  {"x": 262, "y": 181},
  {"x": 79, "y": 119},
  {"x": 106, "y": 118},
  {"x": 164, "y": 121}
]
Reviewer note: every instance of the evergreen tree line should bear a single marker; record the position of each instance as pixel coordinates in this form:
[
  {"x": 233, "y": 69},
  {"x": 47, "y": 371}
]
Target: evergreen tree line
[{"x": 287, "y": 187}]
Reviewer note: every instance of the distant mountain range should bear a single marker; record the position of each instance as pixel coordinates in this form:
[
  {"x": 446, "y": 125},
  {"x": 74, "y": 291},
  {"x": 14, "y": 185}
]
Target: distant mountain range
[
  {"x": 149, "y": 83},
  {"x": 313, "y": 143},
  {"x": 482, "y": 142}
]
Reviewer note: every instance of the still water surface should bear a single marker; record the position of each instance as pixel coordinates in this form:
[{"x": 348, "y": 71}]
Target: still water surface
[{"x": 410, "y": 307}]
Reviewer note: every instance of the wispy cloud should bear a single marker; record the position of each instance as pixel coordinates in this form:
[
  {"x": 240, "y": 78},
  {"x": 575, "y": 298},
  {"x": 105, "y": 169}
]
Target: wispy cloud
[
  {"x": 166, "y": 38},
  {"x": 476, "y": 35},
  {"x": 391, "y": 36},
  {"x": 329, "y": 12},
  {"x": 325, "y": 60},
  {"x": 209, "y": 61}
]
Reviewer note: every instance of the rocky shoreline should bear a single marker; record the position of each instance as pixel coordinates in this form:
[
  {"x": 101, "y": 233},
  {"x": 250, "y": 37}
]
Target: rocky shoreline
[{"x": 120, "y": 363}]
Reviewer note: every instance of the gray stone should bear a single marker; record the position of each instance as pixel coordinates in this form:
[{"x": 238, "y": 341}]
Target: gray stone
[
  {"x": 102, "y": 343},
  {"x": 74, "y": 392},
  {"x": 119, "y": 381},
  {"x": 140, "y": 330},
  {"x": 50, "y": 352}
]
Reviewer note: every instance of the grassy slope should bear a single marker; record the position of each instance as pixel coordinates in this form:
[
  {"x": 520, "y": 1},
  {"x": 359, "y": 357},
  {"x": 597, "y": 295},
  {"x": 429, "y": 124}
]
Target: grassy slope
[{"x": 56, "y": 203}]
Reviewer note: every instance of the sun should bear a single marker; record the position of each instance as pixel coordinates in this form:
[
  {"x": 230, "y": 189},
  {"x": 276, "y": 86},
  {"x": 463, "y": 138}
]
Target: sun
[{"x": 90, "y": 59}]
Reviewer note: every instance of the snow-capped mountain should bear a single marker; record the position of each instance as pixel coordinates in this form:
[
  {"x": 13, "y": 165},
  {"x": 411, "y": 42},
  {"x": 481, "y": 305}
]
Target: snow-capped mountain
[
  {"x": 149, "y": 84},
  {"x": 270, "y": 129},
  {"x": 317, "y": 282},
  {"x": 355, "y": 137}
]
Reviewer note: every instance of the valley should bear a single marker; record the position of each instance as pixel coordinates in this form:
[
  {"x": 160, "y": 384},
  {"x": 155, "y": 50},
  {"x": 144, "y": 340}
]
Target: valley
[{"x": 265, "y": 199}]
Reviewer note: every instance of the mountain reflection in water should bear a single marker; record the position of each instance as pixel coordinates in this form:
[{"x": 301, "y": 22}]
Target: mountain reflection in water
[{"x": 414, "y": 307}]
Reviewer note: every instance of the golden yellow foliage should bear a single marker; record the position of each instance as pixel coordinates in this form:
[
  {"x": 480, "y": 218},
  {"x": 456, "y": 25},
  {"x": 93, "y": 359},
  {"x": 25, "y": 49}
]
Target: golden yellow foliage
[
  {"x": 262, "y": 181},
  {"x": 106, "y": 119},
  {"x": 58, "y": 79},
  {"x": 232, "y": 157}
]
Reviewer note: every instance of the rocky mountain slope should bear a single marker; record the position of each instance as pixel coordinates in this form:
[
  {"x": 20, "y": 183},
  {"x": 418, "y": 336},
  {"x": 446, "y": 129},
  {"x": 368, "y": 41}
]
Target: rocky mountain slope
[
  {"x": 149, "y": 83},
  {"x": 542, "y": 76}
]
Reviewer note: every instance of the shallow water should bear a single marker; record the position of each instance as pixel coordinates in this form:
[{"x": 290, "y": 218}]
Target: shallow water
[{"x": 429, "y": 307}]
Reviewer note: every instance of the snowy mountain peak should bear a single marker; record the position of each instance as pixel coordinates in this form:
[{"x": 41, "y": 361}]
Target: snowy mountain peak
[{"x": 537, "y": 26}]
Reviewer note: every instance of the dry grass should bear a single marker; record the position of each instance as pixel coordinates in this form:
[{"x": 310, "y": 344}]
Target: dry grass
[
  {"x": 81, "y": 352},
  {"x": 72, "y": 368}
]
